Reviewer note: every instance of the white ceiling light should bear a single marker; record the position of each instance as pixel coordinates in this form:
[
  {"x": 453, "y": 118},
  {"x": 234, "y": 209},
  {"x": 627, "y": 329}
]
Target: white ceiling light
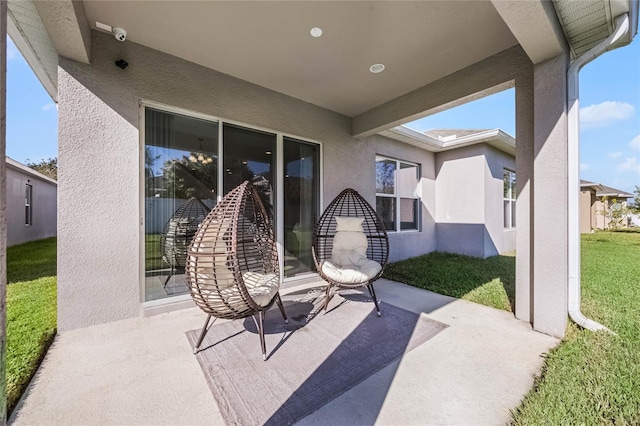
[
  {"x": 316, "y": 32},
  {"x": 200, "y": 157},
  {"x": 376, "y": 68}
]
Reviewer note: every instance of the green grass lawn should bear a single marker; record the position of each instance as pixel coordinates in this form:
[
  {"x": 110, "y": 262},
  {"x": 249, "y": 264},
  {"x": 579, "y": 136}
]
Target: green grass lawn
[
  {"x": 153, "y": 256},
  {"x": 31, "y": 311},
  {"x": 594, "y": 378},
  {"x": 590, "y": 378},
  {"x": 489, "y": 281}
]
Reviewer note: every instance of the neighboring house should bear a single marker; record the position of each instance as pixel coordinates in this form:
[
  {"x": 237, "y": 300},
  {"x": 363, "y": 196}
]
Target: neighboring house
[
  {"x": 31, "y": 204},
  {"x": 596, "y": 201},
  {"x": 218, "y": 92}
]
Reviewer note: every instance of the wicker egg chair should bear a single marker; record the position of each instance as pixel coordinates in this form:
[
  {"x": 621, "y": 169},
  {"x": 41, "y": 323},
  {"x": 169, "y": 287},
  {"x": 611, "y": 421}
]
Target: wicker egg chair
[
  {"x": 232, "y": 266},
  {"x": 178, "y": 233},
  {"x": 343, "y": 256}
]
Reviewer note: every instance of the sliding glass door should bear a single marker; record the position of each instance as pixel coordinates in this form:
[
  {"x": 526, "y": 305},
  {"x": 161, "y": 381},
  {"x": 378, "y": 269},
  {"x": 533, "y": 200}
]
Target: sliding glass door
[
  {"x": 301, "y": 190},
  {"x": 190, "y": 163},
  {"x": 181, "y": 186},
  {"x": 249, "y": 154}
]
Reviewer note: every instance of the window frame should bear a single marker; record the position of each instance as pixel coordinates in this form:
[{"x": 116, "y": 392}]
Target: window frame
[
  {"x": 395, "y": 195},
  {"x": 28, "y": 205},
  {"x": 509, "y": 222},
  {"x": 143, "y": 104}
]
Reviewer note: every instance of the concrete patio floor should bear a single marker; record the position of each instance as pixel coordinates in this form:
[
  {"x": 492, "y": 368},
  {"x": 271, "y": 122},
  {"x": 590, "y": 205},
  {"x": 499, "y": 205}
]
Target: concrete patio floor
[{"x": 142, "y": 371}]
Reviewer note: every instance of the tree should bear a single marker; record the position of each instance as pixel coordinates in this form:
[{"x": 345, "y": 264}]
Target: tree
[
  {"x": 185, "y": 179},
  {"x": 636, "y": 200},
  {"x": 46, "y": 167},
  {"x": 613, "y": 213}
]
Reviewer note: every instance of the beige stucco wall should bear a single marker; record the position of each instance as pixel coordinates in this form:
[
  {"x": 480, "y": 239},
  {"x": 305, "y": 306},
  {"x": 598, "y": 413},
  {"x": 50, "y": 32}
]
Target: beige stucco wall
[
  {"x": 44, "y": 207},
  {"x": 100, "y": 220},
  {"x": 469, "y": 196},
  {"x": 586, "y": 211}
]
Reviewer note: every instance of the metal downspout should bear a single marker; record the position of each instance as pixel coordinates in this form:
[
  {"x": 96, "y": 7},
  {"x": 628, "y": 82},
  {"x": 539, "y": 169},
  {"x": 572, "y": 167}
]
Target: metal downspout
[{"x": 573, "y": 137}]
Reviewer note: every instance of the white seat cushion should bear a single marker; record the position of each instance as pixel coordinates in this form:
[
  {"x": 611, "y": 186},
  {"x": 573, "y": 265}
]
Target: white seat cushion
[
  {"x": 349, "y": 224},
  {"x": 261, "y": 287},
  {"x": 351, "y": 274}
]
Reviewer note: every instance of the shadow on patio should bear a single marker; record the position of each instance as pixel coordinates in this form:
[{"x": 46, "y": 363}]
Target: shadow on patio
[{"x": 142, "y": 370}]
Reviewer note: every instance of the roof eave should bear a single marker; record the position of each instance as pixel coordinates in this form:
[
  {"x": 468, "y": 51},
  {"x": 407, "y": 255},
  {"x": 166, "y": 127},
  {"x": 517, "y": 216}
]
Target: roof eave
[
  {"x": 494, "y": 137},
  {"x": 13, "y": 164}
]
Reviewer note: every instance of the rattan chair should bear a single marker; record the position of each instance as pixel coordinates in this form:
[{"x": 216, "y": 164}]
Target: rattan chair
[
  {"x": 232, "y": 266},
  {"x": 336, "y": 265},
  {"x": 178, "y": 233}
]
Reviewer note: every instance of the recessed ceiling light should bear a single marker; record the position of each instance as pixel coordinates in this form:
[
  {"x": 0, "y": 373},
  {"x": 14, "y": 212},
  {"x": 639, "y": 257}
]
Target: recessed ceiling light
[
  {"x": 268, "y": 152},
  {"x": 376, "y": 68},
  {"x": 316, "y": 32}
]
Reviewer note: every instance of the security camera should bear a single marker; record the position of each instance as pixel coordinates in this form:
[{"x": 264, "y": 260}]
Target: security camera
[{"x": 120, "y": 34}]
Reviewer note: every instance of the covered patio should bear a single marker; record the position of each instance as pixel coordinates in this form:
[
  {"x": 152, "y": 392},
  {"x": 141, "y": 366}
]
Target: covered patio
[
  {"x": 143, "y": 371},
  {"x": 253, "y": 88}
]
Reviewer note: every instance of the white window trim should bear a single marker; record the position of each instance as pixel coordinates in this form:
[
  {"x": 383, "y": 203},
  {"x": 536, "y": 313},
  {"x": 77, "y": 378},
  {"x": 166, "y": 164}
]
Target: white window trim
[
  {"x": 28, "y": 202},
  {"x": 511, "y": 199},
  {"x": 397, "y": 196}
]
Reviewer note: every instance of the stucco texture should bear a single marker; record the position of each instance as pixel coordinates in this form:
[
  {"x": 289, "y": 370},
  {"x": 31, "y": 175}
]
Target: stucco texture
[
  {"x": 100, "y": 216},
  {"x": 100, "y": 220},
  {"x": 469, "y": 195}
]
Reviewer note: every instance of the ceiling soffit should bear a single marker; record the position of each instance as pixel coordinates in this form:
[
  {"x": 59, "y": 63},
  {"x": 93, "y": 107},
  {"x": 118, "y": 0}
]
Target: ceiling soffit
[
  {"x": 585, "y": 23},
  {"x": 268, "y": 43},
  {"x": 28, "y": 32}
]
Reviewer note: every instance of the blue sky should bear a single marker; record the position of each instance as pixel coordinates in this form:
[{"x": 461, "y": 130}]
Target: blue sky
[
  {"x": 609, "y": 116},
  {"x": 32, "y": 118}
]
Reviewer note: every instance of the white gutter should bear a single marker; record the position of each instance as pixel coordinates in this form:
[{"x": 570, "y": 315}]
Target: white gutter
[{"x": 573, "y": 299}]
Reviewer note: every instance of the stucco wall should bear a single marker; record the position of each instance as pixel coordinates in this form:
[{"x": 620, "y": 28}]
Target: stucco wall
[
  {"x": 586, "y": 202},
  {"x": 504, "y": 240},
  {"x": 469, "y": 197},
  {"x": 44, "y": 207},
  {"x": 460, "y": 200},
  {"x": 549, "y": 213},
  {"x": 99, "y": 154}
]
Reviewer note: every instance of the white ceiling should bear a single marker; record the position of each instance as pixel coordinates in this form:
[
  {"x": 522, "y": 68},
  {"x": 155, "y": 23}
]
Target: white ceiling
[{"x": 268, "y": 43}]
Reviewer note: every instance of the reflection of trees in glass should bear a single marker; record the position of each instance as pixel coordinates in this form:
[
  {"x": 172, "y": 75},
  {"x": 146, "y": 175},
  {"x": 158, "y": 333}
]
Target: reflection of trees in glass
[
  {"x": 385, "y": 177},
  {"x": 185, "y": 179},
  {"x": 150, "y": 179},
  {"x": 236, "y": 172},
  {"x": 149, "y": 160}
]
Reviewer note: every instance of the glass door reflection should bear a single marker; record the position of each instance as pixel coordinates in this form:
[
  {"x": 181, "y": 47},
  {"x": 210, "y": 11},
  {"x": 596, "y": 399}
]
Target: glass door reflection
[
  {"x": 301, "y": 200},
  {"x": 249, "y": 154}
]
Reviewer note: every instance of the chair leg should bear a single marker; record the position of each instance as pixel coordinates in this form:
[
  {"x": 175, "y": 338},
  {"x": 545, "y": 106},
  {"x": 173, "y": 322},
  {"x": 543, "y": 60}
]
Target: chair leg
[
  {"x": 369, "y": 290},
  {"x": 203, "y": 333},
  {"x": 375, "y": 299},
  {"x": 327, "y": 299},
  {"x": 168, "y": 278},
  {"x": 281, "y": 306},
  {"x": 261, "y": 331}
]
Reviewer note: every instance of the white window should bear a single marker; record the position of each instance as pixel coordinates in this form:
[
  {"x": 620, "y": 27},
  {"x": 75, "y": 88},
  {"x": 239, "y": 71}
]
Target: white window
[
  {"x": 28, "y": 214},
  {"x": 397, "y": 200},
  {"x": 509, "y": 198}
]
